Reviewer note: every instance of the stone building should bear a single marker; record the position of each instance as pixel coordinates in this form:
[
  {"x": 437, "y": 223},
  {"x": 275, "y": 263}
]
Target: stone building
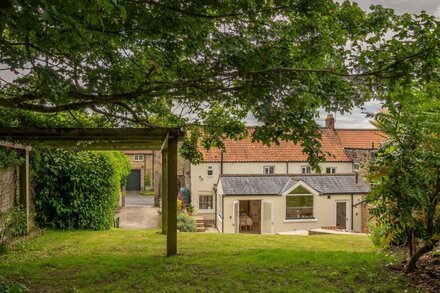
[{"x": 142, "y": 175}]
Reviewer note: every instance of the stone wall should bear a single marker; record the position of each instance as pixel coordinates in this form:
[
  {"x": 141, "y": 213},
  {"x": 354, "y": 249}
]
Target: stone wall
[
  {"x": 361, "y": 156},
  {"x": 9, "y": 188},
  {"x": 145, "y": 166}
]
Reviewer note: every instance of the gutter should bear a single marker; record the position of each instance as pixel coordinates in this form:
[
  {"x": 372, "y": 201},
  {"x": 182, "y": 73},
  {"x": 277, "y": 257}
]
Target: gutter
[{"x": 352, "y": 212}]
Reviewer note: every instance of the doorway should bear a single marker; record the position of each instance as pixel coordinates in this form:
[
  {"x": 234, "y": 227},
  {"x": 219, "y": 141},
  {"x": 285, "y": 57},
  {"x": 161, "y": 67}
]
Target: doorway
[
  {"x": 249, "y": 216},
  {"x": 341, "y": 215},
  {"x": 134, "y": 180}
]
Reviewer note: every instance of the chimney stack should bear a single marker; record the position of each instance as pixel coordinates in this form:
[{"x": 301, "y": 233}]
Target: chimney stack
[{"x": 330, "y": 121}]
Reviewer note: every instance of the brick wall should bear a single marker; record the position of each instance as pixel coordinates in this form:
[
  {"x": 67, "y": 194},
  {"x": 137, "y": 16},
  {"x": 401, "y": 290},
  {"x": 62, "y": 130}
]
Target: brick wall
[{"x": 9, "y": 188}]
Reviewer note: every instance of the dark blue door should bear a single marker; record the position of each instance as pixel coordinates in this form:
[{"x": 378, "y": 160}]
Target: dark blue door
[{"x": 134, "y": 180}]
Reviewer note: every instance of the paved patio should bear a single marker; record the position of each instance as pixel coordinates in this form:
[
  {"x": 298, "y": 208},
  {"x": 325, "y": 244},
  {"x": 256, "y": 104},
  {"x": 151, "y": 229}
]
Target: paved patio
[{"x": 138, "y": 213}]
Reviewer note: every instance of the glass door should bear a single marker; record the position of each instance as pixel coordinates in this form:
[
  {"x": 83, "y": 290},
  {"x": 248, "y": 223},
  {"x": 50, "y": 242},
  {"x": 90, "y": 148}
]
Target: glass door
[{"x": 267, "y": 218}]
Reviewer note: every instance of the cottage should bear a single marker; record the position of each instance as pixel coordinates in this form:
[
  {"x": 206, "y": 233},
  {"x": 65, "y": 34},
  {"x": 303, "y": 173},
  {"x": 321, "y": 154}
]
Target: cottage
[
  {"x": 266, "y": 204},
  {"x": 348, "y": 152}
]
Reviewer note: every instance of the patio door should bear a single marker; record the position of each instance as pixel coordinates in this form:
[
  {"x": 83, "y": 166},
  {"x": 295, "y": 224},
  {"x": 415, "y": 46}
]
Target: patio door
[
  {"x": 267, "y": 217},
  {"x": 236, "y": 216}
]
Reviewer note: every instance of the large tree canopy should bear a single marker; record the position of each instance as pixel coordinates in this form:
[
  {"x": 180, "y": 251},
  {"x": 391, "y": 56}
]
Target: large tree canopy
[{"x": 207, "y": 63}]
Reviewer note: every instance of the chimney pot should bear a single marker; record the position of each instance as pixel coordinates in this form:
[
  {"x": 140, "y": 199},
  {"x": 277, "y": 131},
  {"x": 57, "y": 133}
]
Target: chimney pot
[{"x": 330, "y": 121}]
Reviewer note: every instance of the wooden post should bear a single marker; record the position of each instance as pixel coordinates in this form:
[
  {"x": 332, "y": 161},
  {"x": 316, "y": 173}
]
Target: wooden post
[
  {"x": 24, "y": 187},
  {"x": 172, "y": 196},
  {"x": 164, "y": 190}
]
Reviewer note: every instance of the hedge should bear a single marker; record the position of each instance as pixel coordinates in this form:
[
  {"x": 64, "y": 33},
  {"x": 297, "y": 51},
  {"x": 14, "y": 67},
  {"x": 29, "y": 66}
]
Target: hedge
[{"x": 77, "y": 190}]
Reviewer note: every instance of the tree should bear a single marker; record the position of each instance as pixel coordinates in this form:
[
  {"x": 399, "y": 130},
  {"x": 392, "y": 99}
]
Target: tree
[
  {"x": 208, "y": 64},
  {"x": 405, "y": 174}
]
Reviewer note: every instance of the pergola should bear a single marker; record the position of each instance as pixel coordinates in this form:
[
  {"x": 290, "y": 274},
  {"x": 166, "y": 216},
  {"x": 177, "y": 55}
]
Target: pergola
[{"x": 163, "y": 139}]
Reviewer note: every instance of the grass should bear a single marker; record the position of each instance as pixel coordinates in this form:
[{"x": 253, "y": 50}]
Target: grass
[
  {"x": 123, "y": 260},
  {"x": 146, "y": 192}
]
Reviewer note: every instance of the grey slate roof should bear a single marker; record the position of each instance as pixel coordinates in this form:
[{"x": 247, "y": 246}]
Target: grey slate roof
[
  {"x": 270, "y": 185},
  {"x": 335, "y": 184},
  {"x": 277, "y": 185}
]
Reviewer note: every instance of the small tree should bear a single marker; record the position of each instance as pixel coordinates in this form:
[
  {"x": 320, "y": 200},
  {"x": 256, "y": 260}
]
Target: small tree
[{"x": 405, "y": 174}]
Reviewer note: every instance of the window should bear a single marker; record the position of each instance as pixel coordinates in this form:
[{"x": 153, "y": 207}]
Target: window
[
  {"x": 138, "y": 157},
  {"x": 305, "y": 170},
  {"x": 205, "y": 202},
  {"x": 356, "y": 167},
  {"x": 330, "y": 170},
  {"x": 299, "y": 204},
  {"x": 210, "y": 170},
  {"x": 269, "y": 169}
]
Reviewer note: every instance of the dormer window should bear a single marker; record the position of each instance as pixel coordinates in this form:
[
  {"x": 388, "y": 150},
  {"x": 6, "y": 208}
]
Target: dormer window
[
  {"x": 330, "y": 170},
  {"x": 306, "y": 170},
  {"x": 210, "y": 170},
  {"x": 356, "y": 167},
  {"x": 269, "y": 170}
]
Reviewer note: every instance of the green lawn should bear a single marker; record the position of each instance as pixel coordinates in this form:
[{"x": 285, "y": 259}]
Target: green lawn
[{"x": 121, "y": 260}]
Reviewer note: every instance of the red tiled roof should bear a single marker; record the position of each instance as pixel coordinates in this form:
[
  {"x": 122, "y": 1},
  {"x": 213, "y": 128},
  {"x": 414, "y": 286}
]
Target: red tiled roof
[
  {"x": 360, "y": 138},
  {"x": 138, "y": 152},
  {"x": 247, "y": 151}
]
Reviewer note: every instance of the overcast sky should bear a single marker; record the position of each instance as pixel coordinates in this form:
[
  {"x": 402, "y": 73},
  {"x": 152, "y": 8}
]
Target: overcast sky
[{"x": 356, "y": 119}]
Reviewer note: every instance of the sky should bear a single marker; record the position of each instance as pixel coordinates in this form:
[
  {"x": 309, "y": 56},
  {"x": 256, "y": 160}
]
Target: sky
[{"x": 356, "y": 119}]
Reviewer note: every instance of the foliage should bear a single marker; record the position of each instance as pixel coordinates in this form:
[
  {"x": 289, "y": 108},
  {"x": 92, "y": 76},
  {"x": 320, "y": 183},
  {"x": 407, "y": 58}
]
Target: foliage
[
  {"x": 405, "y": 174},
  {"x": 207, "y": 261},
  {"x": 77, "y": 190},
  {"x": 147, "y": 180},
  {"x": 208, "y": 64},
  {"x": 9, "y": 158},
  {"x": 122, "y": 169},
  {"x": 12, "y": 224},
  {"x": 185, "y": 223},
  {"x": 147, "y": 192}
]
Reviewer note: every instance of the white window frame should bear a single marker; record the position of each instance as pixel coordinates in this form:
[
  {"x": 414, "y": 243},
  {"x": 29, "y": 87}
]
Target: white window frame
[
  {"x": 212, "y": 202},
  {"x": 210, "y": 168},
  {"x": 332, "y": 170},
  {"x": 304, "y": 170},
  {"x": 267, "y": 170},
  {"x": 139, "y": 158},
  {"x": 358, "y": 168}
]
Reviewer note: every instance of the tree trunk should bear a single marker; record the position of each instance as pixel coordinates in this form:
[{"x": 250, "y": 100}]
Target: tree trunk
[{"x": 411, "y": 265}]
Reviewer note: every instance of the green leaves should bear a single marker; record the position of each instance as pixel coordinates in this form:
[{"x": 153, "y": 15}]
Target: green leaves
[
  {"x": 405, "y": 175},
  {"x": 77, "y": 190},
  {"x": 209, "y": 64}
]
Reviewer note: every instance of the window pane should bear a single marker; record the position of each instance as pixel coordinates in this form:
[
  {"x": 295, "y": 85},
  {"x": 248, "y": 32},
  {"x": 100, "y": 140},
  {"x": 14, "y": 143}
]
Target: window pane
[
  {"x": 300, "y": 190},
  {"x": 299, "y": 207},
  {"x": 205, "y": 202}
]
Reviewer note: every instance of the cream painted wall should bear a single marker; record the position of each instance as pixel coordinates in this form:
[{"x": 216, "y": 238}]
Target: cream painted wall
[
  {"x": 324, "y": 213},
  {"x": 202, "y": 184}
]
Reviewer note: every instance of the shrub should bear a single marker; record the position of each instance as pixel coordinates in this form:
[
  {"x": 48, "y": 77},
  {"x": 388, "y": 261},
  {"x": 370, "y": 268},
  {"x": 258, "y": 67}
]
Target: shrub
[
  {"x": 185, "y": 223},
  {"x": 77, "y": 190},
  {"x": 12, "y": 224}
]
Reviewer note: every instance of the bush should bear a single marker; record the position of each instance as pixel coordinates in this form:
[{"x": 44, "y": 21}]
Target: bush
[
  {"x": 77, "y": 190},
  {"x": 185, "y": 223},
  {"x": 12, "y": 224}
]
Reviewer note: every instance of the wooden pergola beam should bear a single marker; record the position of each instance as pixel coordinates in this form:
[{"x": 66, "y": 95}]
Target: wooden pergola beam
[{"x": 164, "y": 139}]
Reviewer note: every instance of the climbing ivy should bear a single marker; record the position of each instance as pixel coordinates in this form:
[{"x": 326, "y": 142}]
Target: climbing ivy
[{"x": 9, "y": 158}]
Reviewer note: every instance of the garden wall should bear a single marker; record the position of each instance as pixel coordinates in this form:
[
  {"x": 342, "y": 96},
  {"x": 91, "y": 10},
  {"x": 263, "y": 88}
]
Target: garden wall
[{"x": 9, "y": 187}]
